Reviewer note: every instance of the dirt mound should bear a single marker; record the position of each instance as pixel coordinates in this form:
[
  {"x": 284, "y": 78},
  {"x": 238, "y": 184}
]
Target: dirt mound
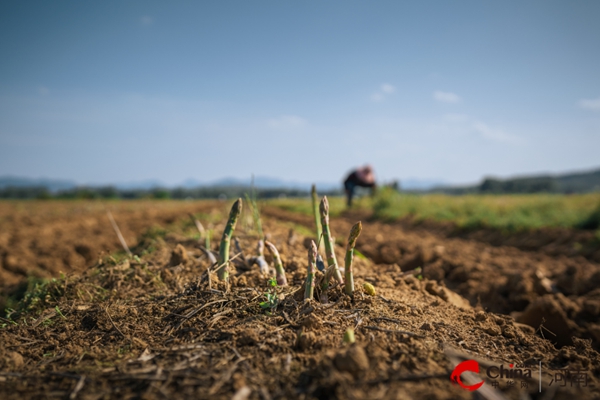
[
  {"x": 160, "y": 325},
  {"x": 500, "y": 279}
]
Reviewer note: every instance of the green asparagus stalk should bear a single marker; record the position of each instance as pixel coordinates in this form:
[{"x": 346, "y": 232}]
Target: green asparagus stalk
[
  {"x": 312, "y": 269},
  {"x": 329, "y": 246},
  {"x": 280, "y": 273},
  {"x": 315, "y": 204},
  {"x": 207, "y": 238},
  {"x": 354, "y": 232},
  {"x": 234, "y": 214}
]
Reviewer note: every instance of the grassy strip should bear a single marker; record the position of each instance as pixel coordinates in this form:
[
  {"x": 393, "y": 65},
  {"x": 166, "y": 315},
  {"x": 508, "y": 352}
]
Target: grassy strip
[{"x": 507, "y": 212}]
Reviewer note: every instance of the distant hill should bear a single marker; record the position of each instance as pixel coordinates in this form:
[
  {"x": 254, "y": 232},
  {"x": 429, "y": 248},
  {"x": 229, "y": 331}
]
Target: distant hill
[
  {"x": 52, "y": 185},
  {"x": 580, "y": 182}
]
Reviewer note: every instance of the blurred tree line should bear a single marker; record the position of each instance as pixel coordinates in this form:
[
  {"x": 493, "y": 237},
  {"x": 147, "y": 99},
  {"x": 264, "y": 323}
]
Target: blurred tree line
[
  {"x": 110, "y": 192},
  {"x": 570, "y": 183}
]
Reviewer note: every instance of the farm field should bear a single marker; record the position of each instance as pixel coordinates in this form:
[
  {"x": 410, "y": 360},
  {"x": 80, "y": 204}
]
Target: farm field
[{"x": 96, "y": 324}]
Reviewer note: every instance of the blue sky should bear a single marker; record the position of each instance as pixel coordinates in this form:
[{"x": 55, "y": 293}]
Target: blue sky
[{"x": 452, "y": 90}]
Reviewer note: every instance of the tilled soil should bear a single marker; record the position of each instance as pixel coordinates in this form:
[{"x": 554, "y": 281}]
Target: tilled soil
[
  {"x": 44, "y": 238},
  {"x": 159, "y": 325}
]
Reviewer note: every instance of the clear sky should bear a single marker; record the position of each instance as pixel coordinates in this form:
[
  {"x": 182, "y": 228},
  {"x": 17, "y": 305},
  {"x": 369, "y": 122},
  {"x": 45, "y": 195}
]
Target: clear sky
[{"x": 116, "y": 91}]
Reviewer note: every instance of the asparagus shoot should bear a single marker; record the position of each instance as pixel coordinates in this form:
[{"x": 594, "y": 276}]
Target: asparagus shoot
[
  {"x": 315, "y": 204},
  {"x": 280, "y": 273},
  {"x": 234, "y": 214},
  {"x": 354, "y": 232},
  {"x": 312, "y": 269},
  {"x": 329, "y": 246}
]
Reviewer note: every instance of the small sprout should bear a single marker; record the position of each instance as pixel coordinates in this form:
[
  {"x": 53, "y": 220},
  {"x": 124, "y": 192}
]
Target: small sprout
[
  {"x": 280, "y": 273},
  {"x": 270, "y": 295},
  {"x": 360, "y": 255},
  {"x": 349, "y": 336},
  {"x": 59, "y": 312},
  {"x": 312, "y": 269},
  {"x": 234, "y": 214},
  {"x": 354, "y": 233},
  {"x": 271, "y": 301},
  {"x": 369, "y": 289}
]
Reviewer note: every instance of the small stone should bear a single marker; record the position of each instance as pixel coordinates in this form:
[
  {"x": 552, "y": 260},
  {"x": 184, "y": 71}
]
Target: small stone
[
  {"x": 480, "y": 316},
  {"x": 426, "y": 326},
  {"x": 14, "y": 359},
  {"x": 312, "y": 322},
  {"x": 508, "y": 331},
  {"x": 305, "y": 340},
  {"x": 525, "y": 328},
  {"x": 179, "y": 256},
  {"x": 492, "y": 330},
  {"x": 248, "y": 338},
  {"x": 353, "y": 360}
]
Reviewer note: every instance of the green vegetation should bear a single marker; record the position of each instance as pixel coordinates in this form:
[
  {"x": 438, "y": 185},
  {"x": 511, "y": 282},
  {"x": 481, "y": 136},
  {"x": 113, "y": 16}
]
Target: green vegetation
[
  {"x": 304, "y": 206},
  {"x": 40, "y": 293},
  {"x": 280, "y": 272},
  {"x": 234, "y": 214},
  {"x": 592, "y": 221},
  {"x": 509, "y": 212},
  {"x": 270, "y": 295},
  {"x": 309, "y": 286},
  {"x": 580, "y": 182},
  {"x": 332, "y": 264},
  {"x": 315, "y": 207},
  {"x": 354, "y": 232}
]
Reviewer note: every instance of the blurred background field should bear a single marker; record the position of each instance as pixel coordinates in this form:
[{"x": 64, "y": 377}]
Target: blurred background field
[{"x": 511, "y": 212}]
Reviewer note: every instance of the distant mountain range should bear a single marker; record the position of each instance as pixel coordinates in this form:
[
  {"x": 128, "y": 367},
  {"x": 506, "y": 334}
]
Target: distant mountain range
[{"x": 579, "y": 182}]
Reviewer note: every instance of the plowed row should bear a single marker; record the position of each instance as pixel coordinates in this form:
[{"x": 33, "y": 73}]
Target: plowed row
[{"x": 156, "y": 326}]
